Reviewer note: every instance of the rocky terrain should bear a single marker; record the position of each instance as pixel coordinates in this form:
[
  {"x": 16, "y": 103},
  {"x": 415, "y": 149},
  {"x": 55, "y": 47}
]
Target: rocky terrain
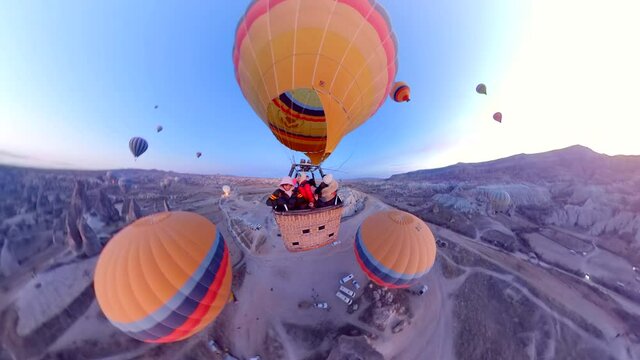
[
  {"x": 551, "y": 270},
  {"x": 556, "y": 273}
]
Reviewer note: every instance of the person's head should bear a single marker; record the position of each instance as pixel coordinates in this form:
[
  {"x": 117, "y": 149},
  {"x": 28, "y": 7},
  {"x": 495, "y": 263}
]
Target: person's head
[
  {"x": 331, "y": 188},
  {"x": 286, "y": 183},
  {"x": 327, "y": 179}
]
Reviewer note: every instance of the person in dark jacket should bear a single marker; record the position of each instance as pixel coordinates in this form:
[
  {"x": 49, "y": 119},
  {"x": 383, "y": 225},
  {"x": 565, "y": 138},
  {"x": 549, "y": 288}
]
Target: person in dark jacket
[
  {"x": 327, "y": 192},
  {"x": 284, "y": 198}
]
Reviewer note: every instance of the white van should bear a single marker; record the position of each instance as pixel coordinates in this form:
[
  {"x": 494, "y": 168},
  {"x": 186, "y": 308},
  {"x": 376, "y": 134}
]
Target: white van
[
  {"x": 420, "y": 290},
  {"x": 347, "y": 291},
  {"x": 344, "y": 298},
  {"x": 346, "y": 279}
]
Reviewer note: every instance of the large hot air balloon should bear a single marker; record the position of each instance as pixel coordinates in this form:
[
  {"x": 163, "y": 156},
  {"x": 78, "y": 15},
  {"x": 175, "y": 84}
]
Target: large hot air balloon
[
  {"x": 481, "y": 89},
  {"x": 226, "y": 190},
  {"x": 138, "y": 146},
  {"x": 165, "y": 277},
  {"x": 198, "y": 154},
  {"x": 314, "y": 71},
  {"x": 395, "y": 248},
  {"x": 400, "y": 92},
  {"x": 497, "y": 117},
  {"x": 159, "y": 128}
]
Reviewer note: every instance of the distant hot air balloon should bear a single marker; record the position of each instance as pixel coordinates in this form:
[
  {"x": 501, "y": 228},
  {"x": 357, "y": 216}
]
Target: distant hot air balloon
[
  {"x": 497, "y": 117},
  {"x": 400, "y": 92},
  {"x": 165, "y": 277},
  {"x": 198, "y": 154},
  {"x": 124, "y": 184},
  {"x": 395, "y": 248},
  {"x": 155, "y": 107},
  {"x": 165, "y": 183},
  {"x": 226, "y": 190},
  {"x": 323, "y": 68},
  {"x": 159, "y": 128},
  {"x": 110, "y": 177},
  {"x": 481, "y": 89},
  {"x": 138, "y": 146},
  {"x": 500, "y": 200}
]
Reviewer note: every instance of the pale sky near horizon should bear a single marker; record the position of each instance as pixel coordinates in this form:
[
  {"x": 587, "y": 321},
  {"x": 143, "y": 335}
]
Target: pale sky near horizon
[{"x": 78, "y": 79}]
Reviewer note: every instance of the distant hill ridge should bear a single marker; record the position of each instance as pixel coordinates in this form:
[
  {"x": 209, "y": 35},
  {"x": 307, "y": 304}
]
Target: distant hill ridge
[{"x": 571, "y": 163}]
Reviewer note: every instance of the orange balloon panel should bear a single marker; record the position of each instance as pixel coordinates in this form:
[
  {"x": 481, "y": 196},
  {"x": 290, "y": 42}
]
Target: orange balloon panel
[
  {"x": 164, "y": 277},
  {"x": 395, "y": 248},
  {"x": 314, "y": 70}
]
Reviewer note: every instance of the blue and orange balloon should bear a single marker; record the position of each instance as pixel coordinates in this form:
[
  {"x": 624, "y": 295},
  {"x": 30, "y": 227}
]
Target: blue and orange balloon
[
  {"x": 138, "y": 146},
  {"x": 395, "y": 248},
  {"x": 165, "y": 277},
  {"x": 400, "y": 92}
]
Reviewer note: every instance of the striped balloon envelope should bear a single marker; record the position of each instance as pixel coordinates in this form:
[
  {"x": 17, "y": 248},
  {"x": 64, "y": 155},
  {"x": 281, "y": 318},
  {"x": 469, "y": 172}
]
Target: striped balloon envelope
[
  {"x": 314, "y": 70},
  {"x": 138, "y": 146},
  {"x": 395, "y": 248},
  {"x": 400, "y": 92},
  {"x": 164, "y": 277}
]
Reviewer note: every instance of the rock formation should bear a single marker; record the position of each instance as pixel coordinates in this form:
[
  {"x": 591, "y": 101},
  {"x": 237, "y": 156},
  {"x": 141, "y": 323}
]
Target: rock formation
[
  {"x": 354, "y": 348},
  {"x": 74, "y": 239},
  {"x": 8, "y": 262},
  {"x": 90, "y": 242},
  {"x": 133, "y": 212},
  {"x": 105, "y": 209},
  {"x": 79, "y": 198}
]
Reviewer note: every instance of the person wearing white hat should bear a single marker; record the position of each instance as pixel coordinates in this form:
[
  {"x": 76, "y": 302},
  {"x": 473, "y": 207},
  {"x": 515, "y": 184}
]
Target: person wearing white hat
[
  {"x": 283, "y": 199},
  {"x": 327, "y": 192}
]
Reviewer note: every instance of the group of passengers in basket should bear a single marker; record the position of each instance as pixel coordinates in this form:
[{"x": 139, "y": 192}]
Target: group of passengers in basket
[{"x": 302, "y": 193}]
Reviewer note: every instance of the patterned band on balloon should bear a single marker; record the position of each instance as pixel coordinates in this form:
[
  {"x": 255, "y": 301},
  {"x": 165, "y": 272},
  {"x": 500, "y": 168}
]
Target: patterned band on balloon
[
  {"x": 379, "y": 273},
  {"x": 179, "y": 315}
]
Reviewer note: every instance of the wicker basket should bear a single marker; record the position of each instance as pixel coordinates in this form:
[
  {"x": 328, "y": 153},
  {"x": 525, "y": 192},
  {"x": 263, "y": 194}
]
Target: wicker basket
[{"x": 304, "y": 230}]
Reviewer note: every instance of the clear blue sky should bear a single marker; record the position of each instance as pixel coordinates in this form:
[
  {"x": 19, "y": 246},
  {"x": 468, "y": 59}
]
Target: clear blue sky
[{"x": 79, "y": 78}]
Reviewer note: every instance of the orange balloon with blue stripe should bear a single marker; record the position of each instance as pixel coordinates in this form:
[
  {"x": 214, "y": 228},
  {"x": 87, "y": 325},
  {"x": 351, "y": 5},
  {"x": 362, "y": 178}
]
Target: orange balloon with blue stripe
[
  {"x": 164, "y": 277},
  {"x": 400, "y": 92},
  {"x": 395, "y": 248}
]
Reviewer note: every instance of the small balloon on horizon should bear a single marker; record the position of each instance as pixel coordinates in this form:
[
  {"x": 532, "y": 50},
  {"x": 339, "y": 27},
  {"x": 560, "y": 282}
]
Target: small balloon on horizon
[
  {"x": 481, "y": 89},
  {"x": 497, "y": 117}
]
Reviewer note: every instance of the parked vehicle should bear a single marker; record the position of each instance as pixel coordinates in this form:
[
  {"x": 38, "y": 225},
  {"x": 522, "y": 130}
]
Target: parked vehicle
[
  {"x": 344, "y": 298},
  {"x": 346, "y": 279},
  {"x": 214, "y": 347},
  {"x": 347, "y": 291},
  {"x": 321, "y": 305},
  {"x": 356, "y": 284},
  {"x": 420, "y": 290}
]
